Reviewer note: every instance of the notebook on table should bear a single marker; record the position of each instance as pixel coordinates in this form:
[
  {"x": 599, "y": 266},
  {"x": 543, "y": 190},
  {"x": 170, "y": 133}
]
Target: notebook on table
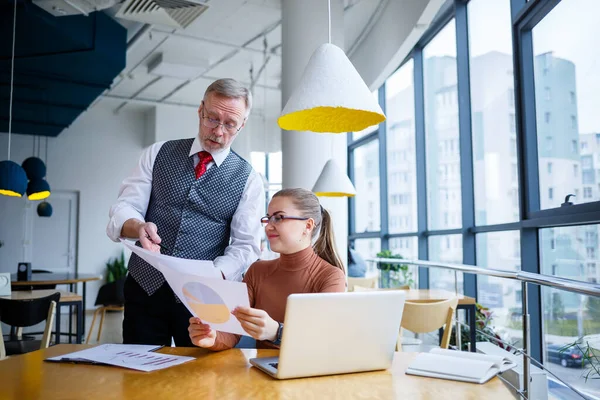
[{"x": 459, "y": 365}]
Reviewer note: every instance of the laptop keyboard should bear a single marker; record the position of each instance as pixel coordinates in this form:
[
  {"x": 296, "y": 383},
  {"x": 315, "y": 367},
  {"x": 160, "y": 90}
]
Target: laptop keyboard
[{"x": 274, "y": 365}]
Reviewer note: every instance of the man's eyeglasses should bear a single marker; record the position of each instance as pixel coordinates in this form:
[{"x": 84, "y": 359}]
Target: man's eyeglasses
[
  {"x": 214, "y": 123},
  {"x": 277, "y": 218}
]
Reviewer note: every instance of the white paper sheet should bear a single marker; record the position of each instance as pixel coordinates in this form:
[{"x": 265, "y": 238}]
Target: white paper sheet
[
  {"x": 201, "y": 288},
  {"x": 126, "y": 356}
]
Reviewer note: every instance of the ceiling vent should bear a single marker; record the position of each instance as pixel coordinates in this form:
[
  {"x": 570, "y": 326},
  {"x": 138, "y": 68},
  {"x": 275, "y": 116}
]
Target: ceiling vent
[
  {"x": 174, "y": 13},
  {"x": 61, "y": 8}
]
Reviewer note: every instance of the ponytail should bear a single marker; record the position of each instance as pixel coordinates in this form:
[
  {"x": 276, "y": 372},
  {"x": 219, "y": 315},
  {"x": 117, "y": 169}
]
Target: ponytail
[{"x": 325, "y": 244}]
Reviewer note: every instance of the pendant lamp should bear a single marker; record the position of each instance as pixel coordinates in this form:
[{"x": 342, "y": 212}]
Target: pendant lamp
[
  {"x": 13, "y": 179},
  {"x": 332, "y": 182},
  {"x": 38, "y": 188},
  {"x": 34, "y": 166},
  {"x": 331, "y": 96},
  {"x": 44, "y": 209}
]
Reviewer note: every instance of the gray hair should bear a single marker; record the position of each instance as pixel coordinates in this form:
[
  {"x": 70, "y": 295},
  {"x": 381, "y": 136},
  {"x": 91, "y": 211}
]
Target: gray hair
[{"x": 232, "y": 89}]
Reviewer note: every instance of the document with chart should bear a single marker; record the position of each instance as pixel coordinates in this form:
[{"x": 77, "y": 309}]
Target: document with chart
[
  {"x": 137, "y": 357},
  {"x": 201, "y": 288}
]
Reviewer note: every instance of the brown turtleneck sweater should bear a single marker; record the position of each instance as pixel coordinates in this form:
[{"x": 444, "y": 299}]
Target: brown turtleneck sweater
[{"x": 271, "y": 282}]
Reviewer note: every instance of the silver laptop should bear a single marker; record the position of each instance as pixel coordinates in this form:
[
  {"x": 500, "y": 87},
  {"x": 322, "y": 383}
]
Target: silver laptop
[{"x": 336, "y": 333}]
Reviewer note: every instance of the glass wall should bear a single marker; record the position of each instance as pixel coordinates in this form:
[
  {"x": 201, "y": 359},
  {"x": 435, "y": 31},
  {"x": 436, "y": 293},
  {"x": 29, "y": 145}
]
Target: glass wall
[
  {"x": 441, "y": 130},
  {"x": 567, "y": 87},
  {"x": 401, "y": 153},
  {"x": 479, "y": 158}
]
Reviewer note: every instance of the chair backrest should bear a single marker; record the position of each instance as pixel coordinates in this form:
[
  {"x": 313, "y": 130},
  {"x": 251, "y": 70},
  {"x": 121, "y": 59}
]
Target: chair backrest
[
  {"x": 23, "y": 313},
  {"x": 364, "y": 282},
  {"x": 428, "y": 316}
]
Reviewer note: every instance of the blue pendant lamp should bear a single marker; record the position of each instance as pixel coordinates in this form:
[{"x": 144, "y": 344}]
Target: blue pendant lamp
[
  {"x": 13, "y": 179},
  {"x": 38, "y": 188},
  {"x": 44, "y": 209}
]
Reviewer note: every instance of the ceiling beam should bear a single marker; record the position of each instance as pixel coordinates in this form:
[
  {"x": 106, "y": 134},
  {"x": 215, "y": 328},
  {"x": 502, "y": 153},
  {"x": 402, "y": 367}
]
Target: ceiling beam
[{"x": 214, "y": 41}]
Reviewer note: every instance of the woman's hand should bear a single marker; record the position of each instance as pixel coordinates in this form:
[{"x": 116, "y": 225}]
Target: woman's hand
[
  {"x": 257, "y": 323},
  {"x": 201, "y": 334}
]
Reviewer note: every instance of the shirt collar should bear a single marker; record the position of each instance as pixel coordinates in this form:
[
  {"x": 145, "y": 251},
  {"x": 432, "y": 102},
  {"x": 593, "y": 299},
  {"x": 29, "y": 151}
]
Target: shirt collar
[{"x": 218, "y": 157}]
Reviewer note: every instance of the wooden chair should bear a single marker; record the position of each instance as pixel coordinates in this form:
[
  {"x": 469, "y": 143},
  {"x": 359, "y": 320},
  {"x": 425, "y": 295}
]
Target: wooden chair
[
  {"x": 370, "y": 283},
  {"x": 2, "y": 349},
  {"x": 428, "y": 316},
  {"x": 25, "y": 313},
  {"x": 102, "y": 310}
]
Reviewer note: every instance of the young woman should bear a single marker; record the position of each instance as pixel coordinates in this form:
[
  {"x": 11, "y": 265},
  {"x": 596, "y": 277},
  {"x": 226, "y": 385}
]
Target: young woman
[{"x": 295, "y": 217}]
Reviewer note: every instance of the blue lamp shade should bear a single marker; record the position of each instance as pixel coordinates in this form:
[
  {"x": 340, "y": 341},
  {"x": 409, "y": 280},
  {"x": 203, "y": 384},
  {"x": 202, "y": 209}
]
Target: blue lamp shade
[
  {"x": 34, "y": 168},
  {"x": 38, "y": 189},
  {"x": 13, "y": 179},
  {"x": 44, "y": 209}
]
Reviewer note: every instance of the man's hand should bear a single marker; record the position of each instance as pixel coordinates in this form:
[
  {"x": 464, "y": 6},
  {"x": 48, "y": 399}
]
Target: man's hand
[
  {"x": 145, "y": 232},
  {"x": 257, "y": 323},
  {"x": 148, "y": 235},
  {"x": 201, "y": 334}
]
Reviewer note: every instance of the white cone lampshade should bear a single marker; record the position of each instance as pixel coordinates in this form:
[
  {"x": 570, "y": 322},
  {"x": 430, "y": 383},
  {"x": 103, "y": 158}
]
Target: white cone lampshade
[
  {"x": 333, "y": 182},
  {"x": 331, "y": 97}
]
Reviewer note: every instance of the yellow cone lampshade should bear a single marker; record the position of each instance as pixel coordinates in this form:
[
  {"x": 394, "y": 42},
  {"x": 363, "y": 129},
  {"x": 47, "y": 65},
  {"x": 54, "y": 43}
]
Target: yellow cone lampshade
[
  {"x": 331, "y": 97},
  {"x": 333, "y": 182}
]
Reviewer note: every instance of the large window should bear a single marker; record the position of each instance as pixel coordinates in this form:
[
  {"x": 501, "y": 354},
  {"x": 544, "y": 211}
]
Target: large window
[
  {"x": 493, "y": 112},
  {"x": 401, "y": 160},
  {"x": 483, "y": 146},
  {"x": 366, "y": 181},
  {"x": 566, "y": 60},
  {"x": 441, "y": 130}
]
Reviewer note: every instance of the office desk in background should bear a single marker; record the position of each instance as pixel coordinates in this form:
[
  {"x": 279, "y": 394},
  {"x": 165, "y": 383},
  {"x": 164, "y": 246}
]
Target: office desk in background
[
  {"x": 222, "y": 375},
  {"x": 56, "y": 279},
  {"x": 66, "y": 299}
]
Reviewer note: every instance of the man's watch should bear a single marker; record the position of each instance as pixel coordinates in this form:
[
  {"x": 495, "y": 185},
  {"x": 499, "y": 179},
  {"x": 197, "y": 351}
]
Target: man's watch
[{"x": 277, "y": 340}]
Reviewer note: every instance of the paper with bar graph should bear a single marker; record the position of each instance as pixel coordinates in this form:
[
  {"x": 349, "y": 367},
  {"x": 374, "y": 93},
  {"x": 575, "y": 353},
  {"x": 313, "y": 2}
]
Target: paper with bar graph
[
  {"x": 123, "y": 356},
  {"x": 201, "y": 288}
]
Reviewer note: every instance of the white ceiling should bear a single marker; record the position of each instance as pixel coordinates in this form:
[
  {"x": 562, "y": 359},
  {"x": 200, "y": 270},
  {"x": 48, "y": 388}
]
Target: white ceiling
[{"x": 216, "y": 37}]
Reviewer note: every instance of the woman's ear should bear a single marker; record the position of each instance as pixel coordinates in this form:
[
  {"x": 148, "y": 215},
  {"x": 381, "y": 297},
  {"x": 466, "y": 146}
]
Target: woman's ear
[{"x": 310, "y": 224}]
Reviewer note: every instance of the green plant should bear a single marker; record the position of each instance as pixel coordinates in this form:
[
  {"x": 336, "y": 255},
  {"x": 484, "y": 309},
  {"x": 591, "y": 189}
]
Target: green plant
[
  {"x": 394, "y": 275},
  {"x": 483, "y": 319},
  {"x": 116, "y": 269}
]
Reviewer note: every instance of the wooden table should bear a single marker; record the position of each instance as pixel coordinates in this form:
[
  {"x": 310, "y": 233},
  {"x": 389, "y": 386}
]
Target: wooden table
[
  {"x": 66, "y": 299},
  {"x": 224, "y": 375},
  {"x": 57, "y": 279}
]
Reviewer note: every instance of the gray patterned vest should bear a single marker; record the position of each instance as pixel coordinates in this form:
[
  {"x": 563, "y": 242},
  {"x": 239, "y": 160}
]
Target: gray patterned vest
[{"x": 193, "y": 216}]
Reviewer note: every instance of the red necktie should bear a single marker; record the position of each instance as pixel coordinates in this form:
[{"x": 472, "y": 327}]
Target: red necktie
[{"x": 205, "y": 158}]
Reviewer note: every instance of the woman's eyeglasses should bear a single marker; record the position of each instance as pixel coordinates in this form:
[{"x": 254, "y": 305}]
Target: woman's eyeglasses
[{"x": 277, "y": 218}]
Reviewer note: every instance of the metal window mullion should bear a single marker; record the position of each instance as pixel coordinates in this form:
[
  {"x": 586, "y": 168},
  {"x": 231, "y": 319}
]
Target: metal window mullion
[
  {"x": 529, "y": 194},
  {"x": 383, "y": 178},
  {"x": 466, "y": 145},
  {"x": 423, "y": 252}
]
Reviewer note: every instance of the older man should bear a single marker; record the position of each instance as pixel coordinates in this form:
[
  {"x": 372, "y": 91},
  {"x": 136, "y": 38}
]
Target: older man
[{"x": 197, "y": 199}]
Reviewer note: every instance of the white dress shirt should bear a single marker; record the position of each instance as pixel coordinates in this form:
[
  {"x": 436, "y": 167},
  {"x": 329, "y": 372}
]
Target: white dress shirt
[{"x": 244, "y": 244}]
